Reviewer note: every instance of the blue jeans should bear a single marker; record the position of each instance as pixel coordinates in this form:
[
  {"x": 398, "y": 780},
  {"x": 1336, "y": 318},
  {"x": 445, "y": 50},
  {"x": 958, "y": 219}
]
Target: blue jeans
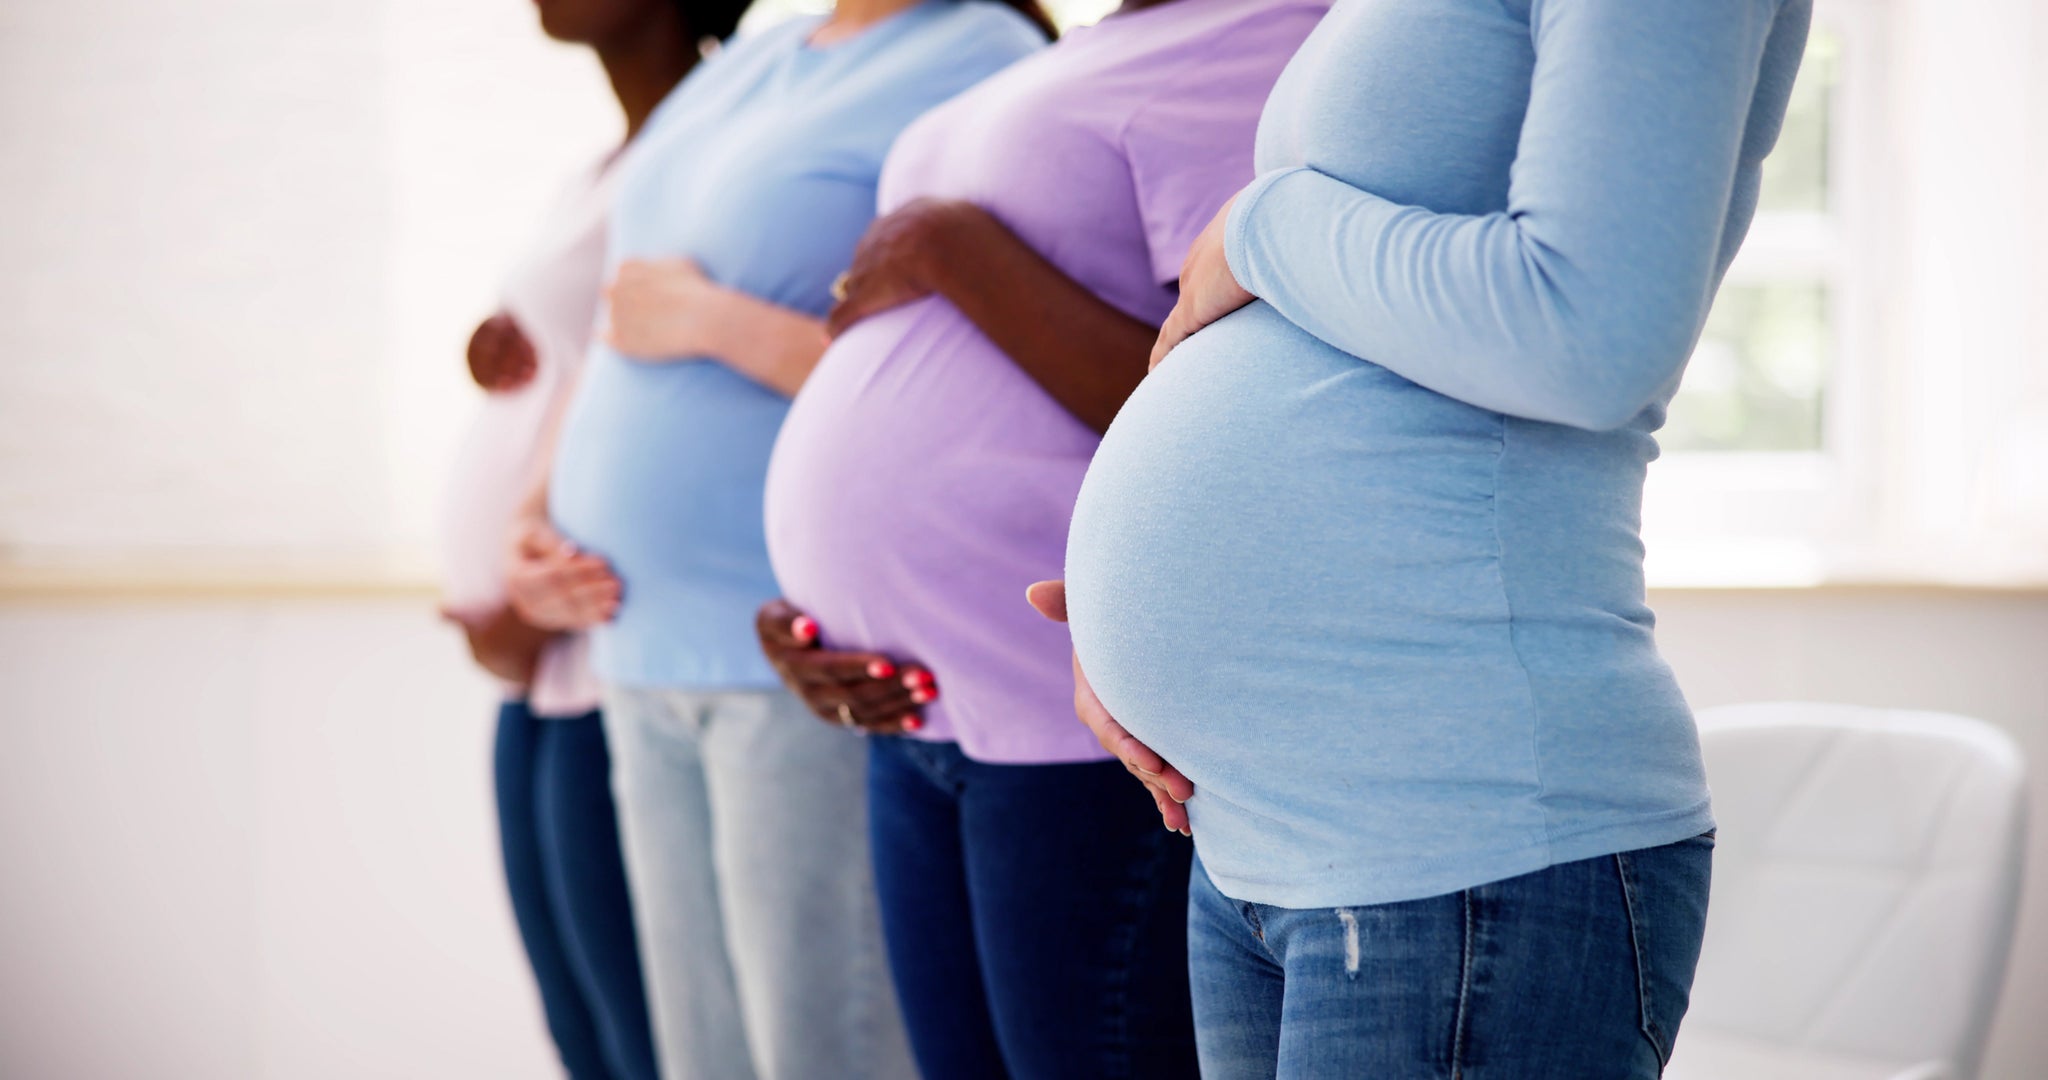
[
  {"x": 1580, "y": 971},
  {"x": 1035, "y": 916},
  {"x": 560, "y": 840},
  {"x": 745, "y": 826}
]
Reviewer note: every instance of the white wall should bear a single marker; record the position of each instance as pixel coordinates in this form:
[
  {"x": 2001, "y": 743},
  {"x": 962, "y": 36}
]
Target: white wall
[
  {"x": 252, "y": 838},
  {"x": 242, "y": 244}
]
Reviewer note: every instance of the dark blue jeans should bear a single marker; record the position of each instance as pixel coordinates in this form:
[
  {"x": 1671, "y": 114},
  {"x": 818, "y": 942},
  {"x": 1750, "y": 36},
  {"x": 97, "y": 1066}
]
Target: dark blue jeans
[
  {"x": 561, "y": 845},
  {"x": 1580, "y": 971},
  {"x": 1035, "y": 917}
]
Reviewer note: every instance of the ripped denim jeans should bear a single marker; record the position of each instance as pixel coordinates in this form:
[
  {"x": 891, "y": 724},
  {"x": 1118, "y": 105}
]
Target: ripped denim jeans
[{"x": 1580, "y": 971}]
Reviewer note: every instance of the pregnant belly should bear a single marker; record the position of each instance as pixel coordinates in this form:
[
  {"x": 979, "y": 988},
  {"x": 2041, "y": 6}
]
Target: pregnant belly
[
  {"x": 1279, "y": 537},
  {"x": 920, "y": 483},
  {"x": 659, "y": 470},
  {"x": 919, "y": 466}
]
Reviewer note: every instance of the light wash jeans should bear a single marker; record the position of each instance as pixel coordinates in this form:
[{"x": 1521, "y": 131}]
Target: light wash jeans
[
  {"x": 744, "y": 824},
  {"x": 1580, "y": 971}
]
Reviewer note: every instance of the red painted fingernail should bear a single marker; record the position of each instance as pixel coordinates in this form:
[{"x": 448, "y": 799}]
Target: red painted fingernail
[
  {"x": 922, "y": 696},
  {"x": 880, "y": 669},
  {"x": 912, "y": 723},
  {"x": 804, "y": 627}
]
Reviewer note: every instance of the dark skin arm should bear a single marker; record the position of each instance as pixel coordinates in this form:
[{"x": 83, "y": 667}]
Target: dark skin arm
[
  {"x": 1081, "y": 350},
  {"x": 502, "y": 643},
  {"x": 866, "y": 691}
]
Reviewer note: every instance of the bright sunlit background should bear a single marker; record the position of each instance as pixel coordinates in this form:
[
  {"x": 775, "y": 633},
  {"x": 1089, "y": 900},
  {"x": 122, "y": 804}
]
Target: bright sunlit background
[{"x": 244, "y": 811}]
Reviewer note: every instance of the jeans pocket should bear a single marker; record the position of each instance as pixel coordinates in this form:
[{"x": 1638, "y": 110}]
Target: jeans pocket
[{"x": 1664, "y": 893}]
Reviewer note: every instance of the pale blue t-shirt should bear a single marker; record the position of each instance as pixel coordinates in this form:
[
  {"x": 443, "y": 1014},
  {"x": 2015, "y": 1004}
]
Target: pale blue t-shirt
[
  {"x": 1362, "y": 559},
  {"x": 762, "y": 167}
]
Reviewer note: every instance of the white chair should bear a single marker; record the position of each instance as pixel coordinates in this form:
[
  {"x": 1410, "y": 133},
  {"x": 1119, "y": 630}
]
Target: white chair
[{"x": 1866, "y": 879}]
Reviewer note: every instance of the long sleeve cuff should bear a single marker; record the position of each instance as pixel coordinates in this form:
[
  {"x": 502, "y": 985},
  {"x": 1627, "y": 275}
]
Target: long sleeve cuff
[{"x": 1236, "y": 251}]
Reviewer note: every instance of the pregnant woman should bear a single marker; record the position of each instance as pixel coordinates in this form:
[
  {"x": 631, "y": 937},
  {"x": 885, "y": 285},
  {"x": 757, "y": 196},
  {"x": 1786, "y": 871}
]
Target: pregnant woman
[
  {"x": 743, "y": 820},
  {"x": 557, "y": 828},
  {"x": 995, "y": 320},
  {"x": 1360, "y": 558}
]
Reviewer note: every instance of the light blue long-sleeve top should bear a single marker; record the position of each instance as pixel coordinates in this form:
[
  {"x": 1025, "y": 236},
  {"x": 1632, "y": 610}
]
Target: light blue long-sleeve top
[
  {"x": 1362, "y": 559},
  {"x": 762, "y": 166}
]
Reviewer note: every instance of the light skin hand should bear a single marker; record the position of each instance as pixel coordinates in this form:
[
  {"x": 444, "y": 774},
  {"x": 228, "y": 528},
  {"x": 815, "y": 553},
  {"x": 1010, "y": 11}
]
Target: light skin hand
[
  {"x": 554, "y": 586},
  {"x": 662, "y": 310},
  {"x": 865, "y": 691},
  {"x": 668, "y": 310},
  {"x": 1168, "y": 787},
  {"x": 1208, "y": 290}
]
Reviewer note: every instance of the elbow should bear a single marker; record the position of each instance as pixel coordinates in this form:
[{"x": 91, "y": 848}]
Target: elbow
[
  {"x": 1606, "y": 411},
  {"x": 1606, "y": 381}
]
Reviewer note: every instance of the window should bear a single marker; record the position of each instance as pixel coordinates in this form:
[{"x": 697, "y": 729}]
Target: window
[
  {"x": 1867, "y": 401},
  {"x": 1765, "y": 447},
  {"x": 1758, "y": 380}
]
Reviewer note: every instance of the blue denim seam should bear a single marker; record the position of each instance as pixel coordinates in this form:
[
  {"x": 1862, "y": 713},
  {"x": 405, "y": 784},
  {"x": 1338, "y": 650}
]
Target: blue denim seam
[
  {"x": 1249, "y": 912},
  {"x": 1145, "y": 884},
  {"x": 1624, "y": 869},
  {"x": 1462, "y": 1021}
]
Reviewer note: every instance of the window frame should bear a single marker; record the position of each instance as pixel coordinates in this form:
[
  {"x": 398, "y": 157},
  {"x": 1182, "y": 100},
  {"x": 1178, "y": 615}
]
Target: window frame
[{"x": 1746, "y": 518}]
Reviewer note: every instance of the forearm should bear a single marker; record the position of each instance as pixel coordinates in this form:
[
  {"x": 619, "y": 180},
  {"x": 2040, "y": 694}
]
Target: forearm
[
  {"x": 1579, "y": 302},
  {"x": 770, "y": 344},
  {"x": 1082, "y": 351}
]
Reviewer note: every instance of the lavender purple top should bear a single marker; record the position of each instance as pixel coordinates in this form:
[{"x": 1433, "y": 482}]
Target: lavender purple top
[{"x": 921, "y": 479}]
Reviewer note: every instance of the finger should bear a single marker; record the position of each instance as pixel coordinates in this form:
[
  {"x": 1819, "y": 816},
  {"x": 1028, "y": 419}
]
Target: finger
[
  {"x": 843, "y": 668},
  {"x": 922, "y": 684},
  {"x": 885, "y": 714},
  {"x": 855, "y": 302},
  {"x": 832, "y": 704},
  {"x": 589, "y": 605},
  {"x": 1050, "y": 598},
  {"x": 772, "y": 623},
  {"x": 1148, "y": 763},
  {"x": 595, "y": 590},
  {"x": 1176, "y": 818},
  {"x": 839, "y": 318},
  {"x": 867, "y": 296},
  {"x": 1166, "y": 778},
  {"x": 1170, "y": 335},
  {"x": 1127, "y": 747},
  {"x": 579, "y": 573},
  {"x": 879, "y": 698}
]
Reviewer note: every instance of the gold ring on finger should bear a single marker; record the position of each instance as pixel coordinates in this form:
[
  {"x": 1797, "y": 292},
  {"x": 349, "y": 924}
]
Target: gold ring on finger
[
  {"x": 839, "y": 286},
  {"x": 845, "y": 714}
]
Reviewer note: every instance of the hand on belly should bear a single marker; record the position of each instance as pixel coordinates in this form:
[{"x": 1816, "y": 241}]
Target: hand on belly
[
  {"x": 865, "y": 691},
  {"x": 1168, "y": 787},
  {"x": 554, "y": 586}
]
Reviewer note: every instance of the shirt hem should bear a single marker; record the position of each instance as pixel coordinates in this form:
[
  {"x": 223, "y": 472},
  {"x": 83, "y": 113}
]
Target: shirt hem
[{"x": 1419, "y": 879}]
